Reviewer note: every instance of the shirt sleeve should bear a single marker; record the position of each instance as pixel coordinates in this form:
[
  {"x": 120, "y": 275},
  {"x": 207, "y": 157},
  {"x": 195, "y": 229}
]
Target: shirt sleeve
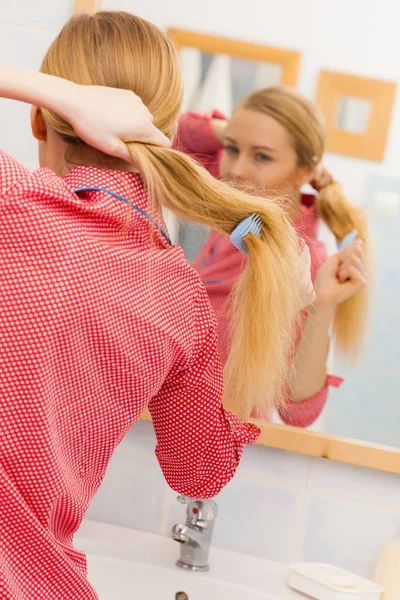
[
  {"x": 199, "y": 444},
  {"x": 196, "y": 136},
  {"x": 11, "y": 172}
]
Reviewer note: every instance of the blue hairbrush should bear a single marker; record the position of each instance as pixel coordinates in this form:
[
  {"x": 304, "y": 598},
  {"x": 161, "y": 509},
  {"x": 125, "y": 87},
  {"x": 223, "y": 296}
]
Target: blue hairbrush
[
  {"x": 252, "y": 225},
  {"x": 347, "y": 240}
]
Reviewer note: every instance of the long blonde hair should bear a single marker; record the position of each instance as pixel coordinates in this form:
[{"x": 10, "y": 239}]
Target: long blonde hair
[
  {"x": 120, "y": 50},
  {"x": 305, "y": 123}
]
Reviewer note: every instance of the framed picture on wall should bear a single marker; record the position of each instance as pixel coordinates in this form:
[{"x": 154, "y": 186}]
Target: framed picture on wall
[{"x": 358, "y": 112}]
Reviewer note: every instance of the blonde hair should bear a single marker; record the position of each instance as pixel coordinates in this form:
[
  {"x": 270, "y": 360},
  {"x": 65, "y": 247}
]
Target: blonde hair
[
  {"x": 120, "y": 50},
  {"x": 305, "y": 123}
]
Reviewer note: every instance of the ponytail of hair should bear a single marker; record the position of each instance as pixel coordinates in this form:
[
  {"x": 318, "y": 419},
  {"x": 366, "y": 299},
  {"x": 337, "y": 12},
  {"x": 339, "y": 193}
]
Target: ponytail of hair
[
  {"x": 265, "y": 302},
  {"x": 342, "y": 217}
]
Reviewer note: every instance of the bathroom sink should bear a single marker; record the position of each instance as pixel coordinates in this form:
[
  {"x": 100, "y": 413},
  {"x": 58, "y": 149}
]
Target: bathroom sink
[
  {"x": 119, "y": 579},
  {"x": 124, "y": 564}
]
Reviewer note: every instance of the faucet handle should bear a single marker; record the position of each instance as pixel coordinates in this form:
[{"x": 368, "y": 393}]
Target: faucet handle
[{"x": 198, "y": 511}]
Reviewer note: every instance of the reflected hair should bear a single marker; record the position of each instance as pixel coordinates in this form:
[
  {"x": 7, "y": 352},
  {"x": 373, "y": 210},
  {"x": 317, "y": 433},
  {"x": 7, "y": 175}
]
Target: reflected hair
[{"x": 303, "y": 120}]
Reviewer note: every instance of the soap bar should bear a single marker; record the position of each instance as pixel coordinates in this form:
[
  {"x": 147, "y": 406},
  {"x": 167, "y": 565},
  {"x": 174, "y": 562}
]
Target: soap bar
[
  {"x": 330, "y": 575},
  {"x": 327, "y": 582}
]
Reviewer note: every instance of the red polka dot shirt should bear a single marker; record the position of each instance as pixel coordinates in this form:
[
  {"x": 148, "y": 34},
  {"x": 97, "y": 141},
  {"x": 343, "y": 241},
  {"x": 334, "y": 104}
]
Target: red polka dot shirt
[
  {"x": 100, "y": 318},
  {"x": 220, "y": 264}
]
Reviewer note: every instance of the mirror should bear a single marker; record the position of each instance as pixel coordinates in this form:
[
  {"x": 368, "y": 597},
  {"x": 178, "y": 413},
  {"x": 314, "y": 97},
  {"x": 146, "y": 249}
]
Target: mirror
[
  {"x": 366, "y": 407},
  {"x": 220, "y": 81},
  {"x": 353, "y": 115}
]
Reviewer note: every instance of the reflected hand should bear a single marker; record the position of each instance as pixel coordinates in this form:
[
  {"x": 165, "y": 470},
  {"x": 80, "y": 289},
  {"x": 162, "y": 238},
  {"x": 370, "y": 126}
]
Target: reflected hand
[
  {"x": 322, "y": 177},
  {"x": 341, "y": 276},
  {"x": 219, "y": 127},
  {"x": 105, "y": 118}
]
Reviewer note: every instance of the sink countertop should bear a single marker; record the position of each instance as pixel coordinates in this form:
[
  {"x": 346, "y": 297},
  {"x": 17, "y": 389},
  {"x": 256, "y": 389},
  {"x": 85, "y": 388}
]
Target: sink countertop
[{"x": 247, "y": 572}]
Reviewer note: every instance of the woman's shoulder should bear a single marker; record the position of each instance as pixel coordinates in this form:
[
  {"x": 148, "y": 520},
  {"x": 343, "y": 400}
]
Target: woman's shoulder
[{"x": 17, "y": 182}]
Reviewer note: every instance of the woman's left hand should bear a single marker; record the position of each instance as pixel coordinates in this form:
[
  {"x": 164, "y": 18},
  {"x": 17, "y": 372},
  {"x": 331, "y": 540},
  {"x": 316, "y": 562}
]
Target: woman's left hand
[
  {"x": 322, "y": 177},
  {"x": 105, "y": 118},
  {"x": 341, "y": 276}
]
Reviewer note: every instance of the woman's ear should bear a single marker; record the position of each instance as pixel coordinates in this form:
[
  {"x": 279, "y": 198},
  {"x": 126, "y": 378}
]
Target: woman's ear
[{"x": 38, "y": 124}]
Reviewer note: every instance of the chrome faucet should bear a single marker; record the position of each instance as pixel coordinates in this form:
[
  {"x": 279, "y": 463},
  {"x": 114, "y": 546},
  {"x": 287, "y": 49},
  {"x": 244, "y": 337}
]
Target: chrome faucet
[{"x": 195, "y": 535}]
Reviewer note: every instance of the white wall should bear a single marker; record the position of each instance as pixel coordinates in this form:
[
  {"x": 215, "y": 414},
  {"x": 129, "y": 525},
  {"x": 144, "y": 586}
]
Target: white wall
[{"x": 356, "y": 36}]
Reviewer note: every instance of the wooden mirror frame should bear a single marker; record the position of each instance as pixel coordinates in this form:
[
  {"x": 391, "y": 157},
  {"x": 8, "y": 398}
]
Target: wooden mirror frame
[
  {"x": 323, "y": 445},
  {"x": 288, "y": 60},
  {"x": 86, "y": 6},
  {"x": 320, "y": 444}
]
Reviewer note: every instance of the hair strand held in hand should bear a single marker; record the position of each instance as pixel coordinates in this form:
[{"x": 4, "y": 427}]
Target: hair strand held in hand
[{"x": 119, "y": 50}]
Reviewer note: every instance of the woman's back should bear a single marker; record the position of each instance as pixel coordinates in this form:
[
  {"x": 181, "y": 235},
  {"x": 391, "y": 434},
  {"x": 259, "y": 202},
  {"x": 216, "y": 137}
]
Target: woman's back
[{"x": 93, "y": 330}]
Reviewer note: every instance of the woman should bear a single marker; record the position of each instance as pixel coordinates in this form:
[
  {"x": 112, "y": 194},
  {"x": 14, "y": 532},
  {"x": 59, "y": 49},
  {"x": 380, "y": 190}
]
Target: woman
[
  {"x": 274, "y": 143},
  {"x": 101, "y": 316}
]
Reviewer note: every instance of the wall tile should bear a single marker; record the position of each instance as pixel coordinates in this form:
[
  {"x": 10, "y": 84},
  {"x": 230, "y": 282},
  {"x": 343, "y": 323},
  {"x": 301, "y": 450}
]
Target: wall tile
[
  {"x": 283, "y": 466},
  {"x": 132, "y": 494},
  {"x": 345, "y": 532},
  {"x": 355, "y": 482},
  {"x": 254, "y": 517}
]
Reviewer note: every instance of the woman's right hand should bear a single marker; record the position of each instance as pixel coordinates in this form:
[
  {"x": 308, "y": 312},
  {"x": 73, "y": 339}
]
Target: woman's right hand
[{"x": 106, "y": 118}]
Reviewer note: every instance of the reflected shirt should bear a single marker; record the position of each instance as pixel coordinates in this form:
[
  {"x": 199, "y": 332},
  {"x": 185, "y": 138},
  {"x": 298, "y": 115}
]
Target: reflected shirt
[{"x": 220, "y": 264}]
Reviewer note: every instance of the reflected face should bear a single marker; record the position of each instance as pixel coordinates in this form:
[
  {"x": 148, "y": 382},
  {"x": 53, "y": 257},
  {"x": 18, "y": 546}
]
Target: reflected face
[{"x": 259, "y": 152}]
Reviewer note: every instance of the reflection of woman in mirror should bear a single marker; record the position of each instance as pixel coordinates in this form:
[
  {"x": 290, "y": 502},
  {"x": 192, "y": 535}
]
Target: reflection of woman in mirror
[{"x": 274, "y": 143}]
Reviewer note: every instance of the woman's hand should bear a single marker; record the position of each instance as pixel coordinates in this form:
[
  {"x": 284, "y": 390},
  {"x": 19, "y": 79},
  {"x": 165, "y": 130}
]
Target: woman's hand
[
  {"x": 105, "y": 118},
  {"x": 322, "y": 177},
  {"x": 341, "y": 276},
  {"x": 219, "y": 127},
  {"x": 102, "y": 117}
]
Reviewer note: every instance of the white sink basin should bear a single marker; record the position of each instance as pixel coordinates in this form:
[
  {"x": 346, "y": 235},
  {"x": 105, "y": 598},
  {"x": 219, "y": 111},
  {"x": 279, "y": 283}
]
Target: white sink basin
[
  {"x": 119, "y": 579},
  {"x": 124, "y": 564}
]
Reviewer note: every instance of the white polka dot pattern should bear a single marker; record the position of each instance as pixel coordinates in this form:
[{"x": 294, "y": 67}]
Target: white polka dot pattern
[{"x": 99, "y": 318}]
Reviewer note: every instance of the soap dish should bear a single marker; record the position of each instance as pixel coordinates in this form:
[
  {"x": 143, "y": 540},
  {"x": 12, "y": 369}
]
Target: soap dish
[{"x": 326, "y": 582}]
